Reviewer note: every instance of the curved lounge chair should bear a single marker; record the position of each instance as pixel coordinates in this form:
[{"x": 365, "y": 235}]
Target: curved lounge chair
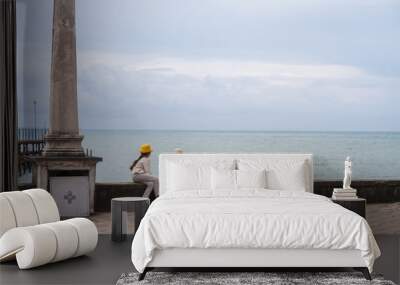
[{"x": 31, "y": 231}]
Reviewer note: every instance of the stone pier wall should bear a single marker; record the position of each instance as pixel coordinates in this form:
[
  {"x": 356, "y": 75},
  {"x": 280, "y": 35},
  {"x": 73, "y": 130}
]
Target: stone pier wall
[
  {"x": 375, "y": 191},
  {"x": 106, "y": 191}
]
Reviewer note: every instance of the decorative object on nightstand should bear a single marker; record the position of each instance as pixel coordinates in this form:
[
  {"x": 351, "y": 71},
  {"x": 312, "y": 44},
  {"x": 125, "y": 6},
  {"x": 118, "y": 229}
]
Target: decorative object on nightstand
[
  {"x": 347, "y": 173},
  {"x": 345, "y": 193},
  {"x": 357, "y": 205},
  {"x": 119, "y": 214}
]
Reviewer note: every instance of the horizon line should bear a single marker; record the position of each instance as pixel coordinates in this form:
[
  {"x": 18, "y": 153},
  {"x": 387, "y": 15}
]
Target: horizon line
[{"x": 239, "y": 130}]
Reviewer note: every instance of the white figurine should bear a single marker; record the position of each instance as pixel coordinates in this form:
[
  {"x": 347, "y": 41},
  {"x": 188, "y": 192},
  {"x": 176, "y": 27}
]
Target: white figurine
[{"x": 347, "y": 173}]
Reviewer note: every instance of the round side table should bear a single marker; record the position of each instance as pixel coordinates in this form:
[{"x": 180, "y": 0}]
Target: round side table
[{"x": 119, "y": 213}]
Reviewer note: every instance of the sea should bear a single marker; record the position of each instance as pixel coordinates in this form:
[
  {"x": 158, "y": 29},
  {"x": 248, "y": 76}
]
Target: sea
[{"x": 375, "y": 155}]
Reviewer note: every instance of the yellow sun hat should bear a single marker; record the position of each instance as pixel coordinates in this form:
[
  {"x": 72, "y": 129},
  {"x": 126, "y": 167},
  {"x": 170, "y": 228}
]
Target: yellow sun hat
[{"x": 145, "y": 148}]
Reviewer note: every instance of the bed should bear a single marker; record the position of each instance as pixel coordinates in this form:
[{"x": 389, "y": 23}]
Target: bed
[{"x": 247, "y": 210}]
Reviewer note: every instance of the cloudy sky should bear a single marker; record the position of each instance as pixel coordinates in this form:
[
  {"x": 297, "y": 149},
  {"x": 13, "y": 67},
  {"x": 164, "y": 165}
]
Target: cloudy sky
[{"x": 222, "y": 65}]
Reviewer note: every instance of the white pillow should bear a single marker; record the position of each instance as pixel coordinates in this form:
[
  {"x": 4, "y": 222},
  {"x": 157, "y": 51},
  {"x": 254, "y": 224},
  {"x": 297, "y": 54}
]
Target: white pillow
[
  {"x": 281, "y": 174},
  {"x": 223, "y": 179},
  {"x": 292, "y": 177},
  {"x": 189, "y": 174},
  {"x": 188, "y": 177},
  {"x": 251, "y": 178}
]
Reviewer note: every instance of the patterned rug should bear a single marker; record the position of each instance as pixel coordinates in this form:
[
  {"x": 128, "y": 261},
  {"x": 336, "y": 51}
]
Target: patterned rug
[{"x": 273, "y": 278}]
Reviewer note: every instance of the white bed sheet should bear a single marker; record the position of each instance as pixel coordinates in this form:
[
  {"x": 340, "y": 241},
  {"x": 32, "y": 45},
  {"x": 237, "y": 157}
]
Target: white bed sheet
[{"x": 252, "y": 218}]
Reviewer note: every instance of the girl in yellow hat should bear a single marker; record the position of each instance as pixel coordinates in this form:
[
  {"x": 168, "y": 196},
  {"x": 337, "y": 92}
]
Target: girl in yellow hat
[{"x": 141, "y": 171}]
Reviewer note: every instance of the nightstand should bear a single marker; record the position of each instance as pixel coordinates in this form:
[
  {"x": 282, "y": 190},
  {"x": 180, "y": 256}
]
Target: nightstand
[
  {"x": 119, "y": 214},
  {"x": 357, "y": 205}
]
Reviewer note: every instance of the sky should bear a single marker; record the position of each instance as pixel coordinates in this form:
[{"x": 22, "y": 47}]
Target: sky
[{"x": 221, "y": 65}]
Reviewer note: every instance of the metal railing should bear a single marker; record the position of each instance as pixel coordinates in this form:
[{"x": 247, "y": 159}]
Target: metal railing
[{"x": 30, "y": 142}]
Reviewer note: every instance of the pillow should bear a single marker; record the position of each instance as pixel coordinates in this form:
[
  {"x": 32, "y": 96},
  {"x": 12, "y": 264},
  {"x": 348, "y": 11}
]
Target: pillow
[
  {"x": 188, "y": 177},
  {"x": 281, "y": 174},
  {"x": 191, "y": 174},
  {"x": 251, "y": 178},
  {"x": 223, "y": 179},
  {"x": 291, "y": 176}
]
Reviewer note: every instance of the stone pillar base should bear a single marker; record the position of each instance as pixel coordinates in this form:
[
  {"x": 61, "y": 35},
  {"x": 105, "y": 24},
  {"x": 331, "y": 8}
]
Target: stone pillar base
[
  {"x": 59, "y": 165},
  {"x": 63, "y": 145}
]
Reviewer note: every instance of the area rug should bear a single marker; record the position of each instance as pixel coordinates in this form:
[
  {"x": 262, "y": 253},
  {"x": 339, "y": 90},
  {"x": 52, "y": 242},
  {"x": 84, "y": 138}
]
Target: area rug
[{"x": 273, "y": 278}]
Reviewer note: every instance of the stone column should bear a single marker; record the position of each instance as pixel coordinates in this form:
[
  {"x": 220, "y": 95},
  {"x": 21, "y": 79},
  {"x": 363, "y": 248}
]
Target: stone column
[
  {"x": 63, "y": 155},
  {"x": 63, "y": 138}
]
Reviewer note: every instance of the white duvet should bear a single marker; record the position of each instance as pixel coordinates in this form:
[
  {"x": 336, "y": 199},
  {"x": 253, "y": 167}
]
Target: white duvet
[{"x": 250, "y": 219}]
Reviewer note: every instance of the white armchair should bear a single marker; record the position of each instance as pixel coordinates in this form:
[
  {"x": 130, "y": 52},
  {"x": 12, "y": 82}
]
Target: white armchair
[{"x": 31, "y": 230}]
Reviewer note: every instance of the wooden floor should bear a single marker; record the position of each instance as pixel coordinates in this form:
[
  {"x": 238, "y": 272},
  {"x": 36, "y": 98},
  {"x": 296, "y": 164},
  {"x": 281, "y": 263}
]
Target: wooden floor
[
  {"x": 110, "y": 259},
  {"x": 103, "y": 266}
]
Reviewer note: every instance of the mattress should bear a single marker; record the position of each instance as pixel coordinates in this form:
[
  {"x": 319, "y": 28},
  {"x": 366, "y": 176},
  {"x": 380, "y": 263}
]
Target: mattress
[{"x": 250, "y": 219}]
